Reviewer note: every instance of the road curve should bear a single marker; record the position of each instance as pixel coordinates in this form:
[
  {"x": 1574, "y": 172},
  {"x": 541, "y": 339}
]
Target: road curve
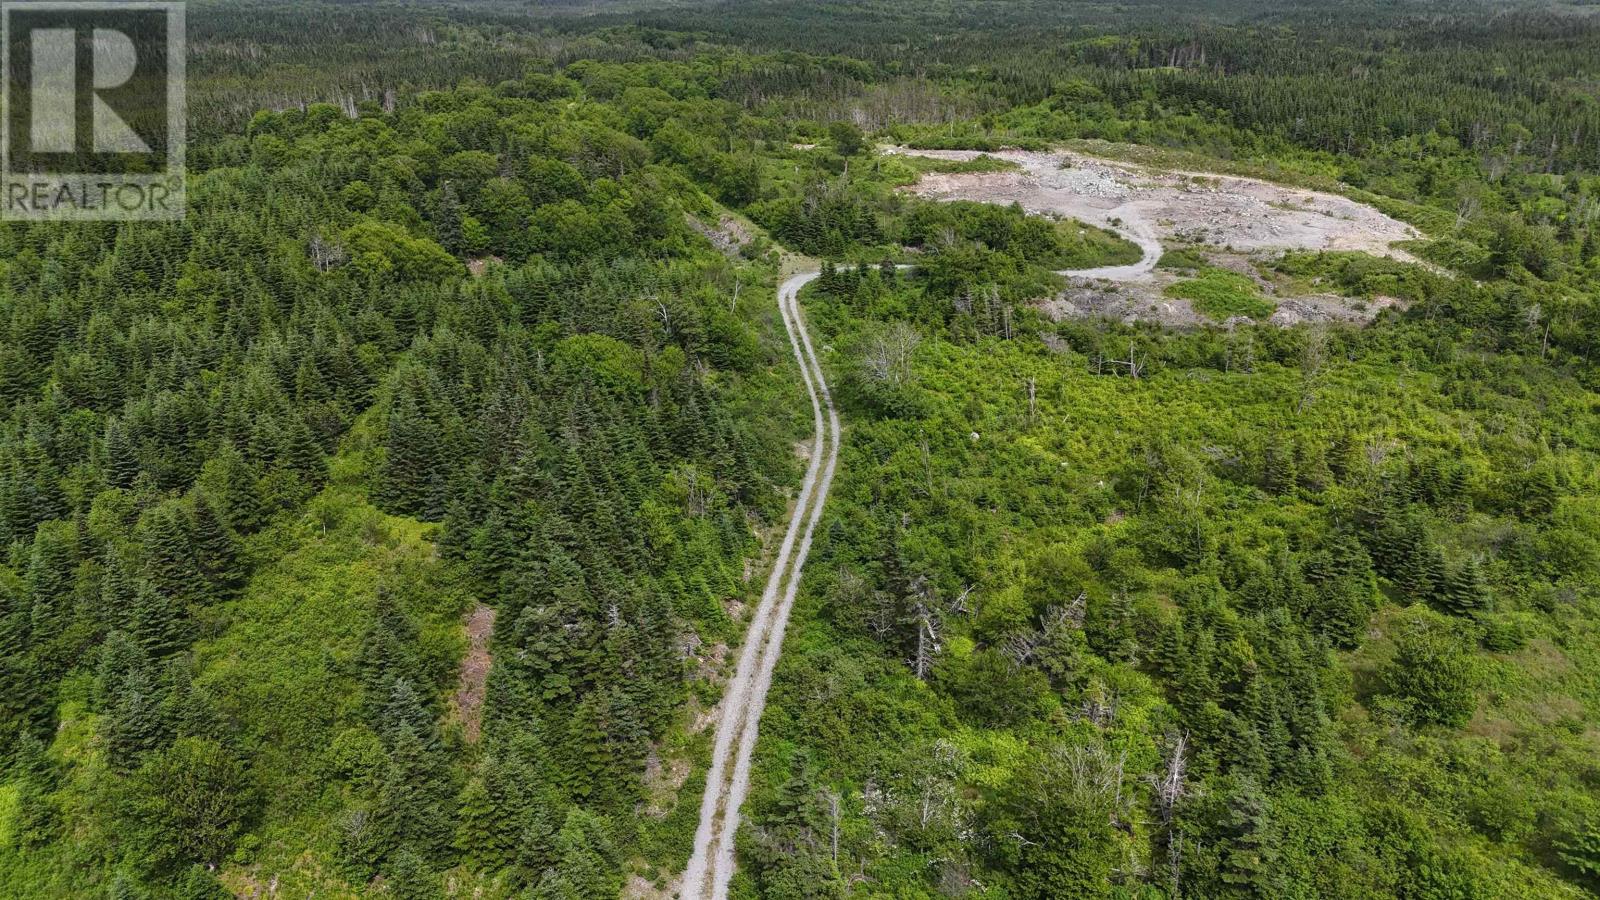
[
  {"x": 1131, "y": 225},
  {"x": 711, "y": 865}
]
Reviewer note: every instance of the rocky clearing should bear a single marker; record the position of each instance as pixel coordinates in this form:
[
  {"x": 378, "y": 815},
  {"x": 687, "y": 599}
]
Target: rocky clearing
[{"x": 1234, "y": 222}]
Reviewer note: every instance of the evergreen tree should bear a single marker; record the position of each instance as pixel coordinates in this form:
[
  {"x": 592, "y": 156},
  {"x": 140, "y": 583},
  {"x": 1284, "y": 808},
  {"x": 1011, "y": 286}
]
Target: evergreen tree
[
  {"x": 215, "y": 551},
  {"x": 170, "y": 565},
  {"x": 447, "y": 220},
  {"x": 124, "y": 887},
  {"x": 412, "y": 455},
  {"x": 1431, "y": 674},
  {"x": 1465, "y": 591},
  {"x": 133, "y": 723},
  {"x": 52, "y": 578},
  {"x": 413, "y": 807},
  {"x": 585, "y": 861},
  {"x": 410, "y": 878},
  {"x": 159, "y": 622},
  {"x": 536, "y": 844},
  {"x": 191, "y": 801},
  {"x": 1278, "y": 472},
  {"x": 1249, "y": 845},
  {"x": 404, "y": 712},
  {"x": 122, "y": 467}
]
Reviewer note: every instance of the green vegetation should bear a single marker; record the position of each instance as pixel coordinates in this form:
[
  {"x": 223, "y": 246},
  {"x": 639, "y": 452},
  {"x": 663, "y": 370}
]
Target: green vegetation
[
  {"x": 473, "y": 312},
  {"x": 1359, "y": 275},
  {"x": 1181, "y": 260},
  {"x": 1284, "y": 565},
  {"x": 980, "y": 164},
  {"x": 1220, "y": 294},
  {"x": 230, "y": 640}
]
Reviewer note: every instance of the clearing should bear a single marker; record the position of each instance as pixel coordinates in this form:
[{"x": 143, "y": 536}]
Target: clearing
[{"x": 1229, "y": 222}]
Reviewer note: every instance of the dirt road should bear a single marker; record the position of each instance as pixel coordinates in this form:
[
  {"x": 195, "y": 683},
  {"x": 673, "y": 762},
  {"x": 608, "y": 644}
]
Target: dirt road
[
  {"x": 711, "y": 866},
  {"x": 1144, "y": 207}
]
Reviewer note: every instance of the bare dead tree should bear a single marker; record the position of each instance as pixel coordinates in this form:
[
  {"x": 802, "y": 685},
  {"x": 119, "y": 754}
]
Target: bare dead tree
[
  {"x": 1169, "y": 784},
  {"x": 927, "y": 615},
  {"x": 1019, "y": 648},
  {"x": 325, "y": 254},
  {"x": 1467, "y": 209},
  {"x": 1312, "y": 361},
  {"x": 928, "y": 637},
  {"x": 1241, "y": 351},
  {"x": 934, "y": 793},
  {"x": 696, "y": 495},
  {"x": 958, "y": 606},
  {"x": 1170, "y": 790},
  {"x": 1022, "y": 647},
  {"x": 1092, "y": 773},
  {"x": 927, "y": 463},
  {"x": 832, "y": 799},
  {"x": 888, "y": 353},
  {"x": 1131, "y": 364},
  {"x": 1536, "y": 318},
  {"x": 1100, "y": 708},
  {"x": 663, "y": 313}
]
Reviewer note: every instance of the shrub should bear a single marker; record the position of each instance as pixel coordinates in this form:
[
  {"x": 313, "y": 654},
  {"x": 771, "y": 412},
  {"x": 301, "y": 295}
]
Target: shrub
[{"x": 1219, "y": 294}]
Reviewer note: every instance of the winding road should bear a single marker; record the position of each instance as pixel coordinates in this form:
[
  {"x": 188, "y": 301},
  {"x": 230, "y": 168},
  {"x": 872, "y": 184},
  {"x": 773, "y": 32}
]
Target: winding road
[
  {"x": 711, "y": 866},
  {"x": 1134, "y": 218}
]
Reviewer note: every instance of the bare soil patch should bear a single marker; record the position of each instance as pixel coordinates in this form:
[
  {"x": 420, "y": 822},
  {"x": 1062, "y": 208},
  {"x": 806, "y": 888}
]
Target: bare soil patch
[
  {"x": 473, "y": 685},
  {"x": 1178, "y": 207},
  {"x": 1239, "y": 223},
  {"x": 728, "y": 235}
]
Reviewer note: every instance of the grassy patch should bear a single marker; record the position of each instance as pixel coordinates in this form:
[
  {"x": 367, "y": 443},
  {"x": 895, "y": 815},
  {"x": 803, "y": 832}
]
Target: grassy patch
[
  {"x": 1357, "y": 275},
  {"x": 976, "y": 165},
  {"x": 1219, "y": 294},
  {"x": 8, "y": 813},
  {"x": 286, "y": 666},
  {"x": 1181, "y": 259},
  {"x": 1084, "y": 246}
]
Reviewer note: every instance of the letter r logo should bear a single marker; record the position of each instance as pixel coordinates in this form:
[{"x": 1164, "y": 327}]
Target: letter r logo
[
  {"x": 92, "y": 108},
  {"x": 55, "y": 91}
]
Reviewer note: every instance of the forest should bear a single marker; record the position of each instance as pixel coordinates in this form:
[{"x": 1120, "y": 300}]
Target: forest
[{"x": 388, "y": 526}]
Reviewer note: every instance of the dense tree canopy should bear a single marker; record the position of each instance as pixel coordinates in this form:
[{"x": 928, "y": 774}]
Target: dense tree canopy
[{"x": 471, "y": 321}]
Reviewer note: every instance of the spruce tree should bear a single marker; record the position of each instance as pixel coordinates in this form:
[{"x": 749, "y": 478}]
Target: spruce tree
[
  {"x": 410, "y": 877},
  {"x": 476, "y": 826},
  {"x": 536, "y": 842},
  {"x": 584, "y": 868},
  {"x": 121, "y": 466},
  {"x": 133, "y": 724},
  {"x": 159, "y": 622},
  {"x": 412, "y": 455},
  {"x": 51, "y": 577},
  {"x": 1249, "y": 849},
  {"x": 1278, "y": 473},
  {"x": 1465, "y": 591},
  {"x": 447, "y": 220},
  {"x": 215, "y": 551},
  {"x": 403, "y": 712},
  {"x": 168, "y": 549},
  {"x": 413, "y": 804}
]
